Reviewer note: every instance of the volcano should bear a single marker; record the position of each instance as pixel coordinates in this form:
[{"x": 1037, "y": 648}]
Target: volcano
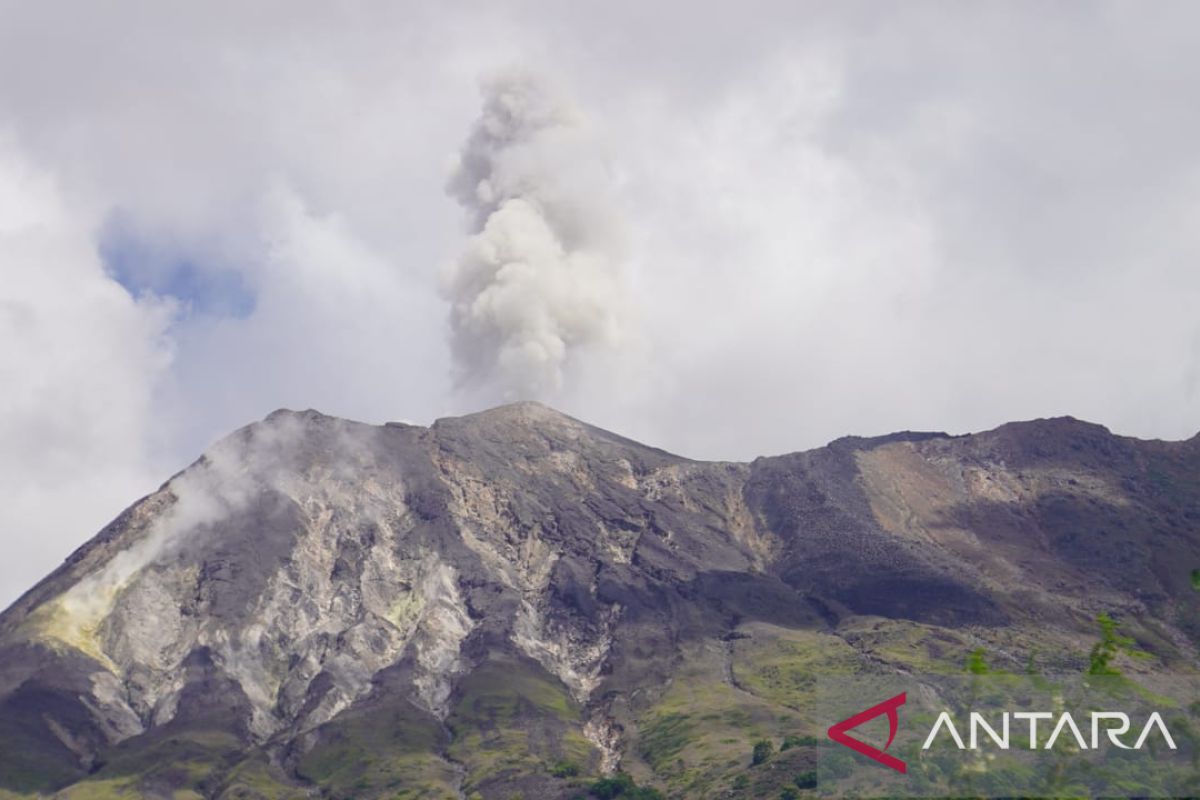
[{"x": 516, "y": 603}]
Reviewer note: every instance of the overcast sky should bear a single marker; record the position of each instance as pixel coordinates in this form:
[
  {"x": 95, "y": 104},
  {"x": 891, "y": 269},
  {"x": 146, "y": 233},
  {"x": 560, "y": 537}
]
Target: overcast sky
[{"x": 740, "y": 228}]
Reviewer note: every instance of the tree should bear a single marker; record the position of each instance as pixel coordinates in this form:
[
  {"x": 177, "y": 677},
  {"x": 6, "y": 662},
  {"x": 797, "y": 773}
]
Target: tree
[
  {"x": 806, "y": 780},
  {"x": 1111, "y": 643},
  {"x": 622, "y": 786},
  {"x": 763, "y": 750},
  {"x": 976, "y": 665},
  {"x": 791, "y": 741}
]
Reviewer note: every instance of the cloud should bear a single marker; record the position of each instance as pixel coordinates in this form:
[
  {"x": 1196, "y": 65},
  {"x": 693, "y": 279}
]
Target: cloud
[
  {"x": 337, "y": 326},
  {"x": 539, "y": 280},
  {"x": 79, "y": 363},
  {"x": 797, "y": 221}
]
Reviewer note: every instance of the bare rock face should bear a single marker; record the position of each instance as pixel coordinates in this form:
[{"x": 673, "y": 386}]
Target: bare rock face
[{"x": 505, "y": 602}]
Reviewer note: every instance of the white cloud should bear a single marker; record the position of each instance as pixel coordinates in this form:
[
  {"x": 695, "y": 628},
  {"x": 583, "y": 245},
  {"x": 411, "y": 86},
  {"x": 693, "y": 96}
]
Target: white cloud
[
  {"x": 846, "y": 219},
  {"x": 78, "y": 365},
  {"x": 337, "y": 327}
]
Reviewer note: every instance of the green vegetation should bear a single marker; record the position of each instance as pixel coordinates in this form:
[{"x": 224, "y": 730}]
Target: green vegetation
[
  {"x": 622, "y": 786},
  {"x": 791, "y": 741},
  {"x": 976, "y": 664},
  {"x": 914, "y": 646},
  {"x": 763, "y": 750},
  {"x": 256, "y": 779},
  {"x": 702, "y": 733},
  {"x": 384, "y": 751},
  {"x": 32, "y": 766},
  {"x": 1196, "y": 579},
  {"x": 781, "y": 665},
  {"x": 34, "y": 759},
  {"x": 806, "y": 780},
  {"x": 514, "y": 718},
  {"x": 186, "y": 760},
  {"x": 665, "y": 738},
  {"x": 564, "y": 769},
  {"x": 1111, "y": 643},
  {"x": 698, "y": 734}
]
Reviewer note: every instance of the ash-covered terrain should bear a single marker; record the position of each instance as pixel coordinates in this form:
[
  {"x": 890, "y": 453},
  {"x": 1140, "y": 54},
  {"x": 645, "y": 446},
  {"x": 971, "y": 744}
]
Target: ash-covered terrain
[{"x": 515, "y": 603}]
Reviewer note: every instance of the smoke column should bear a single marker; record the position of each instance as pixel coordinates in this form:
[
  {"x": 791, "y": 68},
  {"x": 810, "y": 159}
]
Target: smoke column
[{"x": 537, "y": 283}]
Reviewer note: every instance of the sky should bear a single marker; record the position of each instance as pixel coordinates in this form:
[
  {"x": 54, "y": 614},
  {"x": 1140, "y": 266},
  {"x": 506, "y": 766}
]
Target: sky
[{"x": 723, "y": 229}]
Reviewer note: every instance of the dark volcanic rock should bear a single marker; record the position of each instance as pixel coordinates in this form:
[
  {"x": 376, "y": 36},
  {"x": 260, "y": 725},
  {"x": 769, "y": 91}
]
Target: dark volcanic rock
[{"x": 505, "y": 602}]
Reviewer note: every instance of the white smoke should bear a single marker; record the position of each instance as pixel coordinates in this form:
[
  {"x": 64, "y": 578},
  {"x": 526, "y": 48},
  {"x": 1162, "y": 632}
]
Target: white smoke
[
  {"x": 233, "y": 474},
  {"x": 538, "y": 283}
]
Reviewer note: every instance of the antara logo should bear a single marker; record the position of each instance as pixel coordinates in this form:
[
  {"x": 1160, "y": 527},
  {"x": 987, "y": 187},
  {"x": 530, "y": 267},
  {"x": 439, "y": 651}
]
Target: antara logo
[
  {"x": 838, "y": 732},
  {"x": 1114, "y": 724},
  {"x": 1066, "y": 723}
]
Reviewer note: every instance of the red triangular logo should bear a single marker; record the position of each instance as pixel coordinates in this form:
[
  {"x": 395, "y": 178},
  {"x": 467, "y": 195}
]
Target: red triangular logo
[{"x": 838, "y": 732}]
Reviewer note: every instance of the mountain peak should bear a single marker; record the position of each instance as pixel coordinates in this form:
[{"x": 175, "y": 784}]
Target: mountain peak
[
  {"x": 320, "y": 604},
  {"x": 526, "y": 412}
]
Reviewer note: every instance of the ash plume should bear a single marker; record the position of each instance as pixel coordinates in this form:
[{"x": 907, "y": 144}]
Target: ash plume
[{"x": 537, "y": 283}]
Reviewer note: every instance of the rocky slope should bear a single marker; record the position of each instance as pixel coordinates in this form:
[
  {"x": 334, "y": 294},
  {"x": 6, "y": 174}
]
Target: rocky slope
[{"x": 514, "y": 602}]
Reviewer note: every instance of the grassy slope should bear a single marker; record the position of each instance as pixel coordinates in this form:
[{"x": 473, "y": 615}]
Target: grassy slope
[
  {"x": 389, "y": 751},
  {"x": 183, "y": 762},
  {"x": 512, "y": 719},
  {"x": 697, "y": 740}
]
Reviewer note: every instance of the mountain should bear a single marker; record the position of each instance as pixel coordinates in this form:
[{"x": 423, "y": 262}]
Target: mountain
[{"x": 513, "y": 603}]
